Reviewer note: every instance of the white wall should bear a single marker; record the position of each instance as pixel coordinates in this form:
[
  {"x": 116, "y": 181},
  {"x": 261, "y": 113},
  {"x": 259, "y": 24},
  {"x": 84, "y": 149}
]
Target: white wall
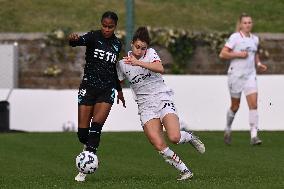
[
  {"x": 202, "y": 102},
  {"x": 8, "y": 65}
]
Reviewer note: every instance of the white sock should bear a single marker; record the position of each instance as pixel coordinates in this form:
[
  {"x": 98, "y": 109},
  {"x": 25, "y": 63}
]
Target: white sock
[
  {"x": 230, "y": 119},
  {"x": 253, "y": 122},
  {"x": 173, "y": 159},
  {"x": 184, "y": 137}
]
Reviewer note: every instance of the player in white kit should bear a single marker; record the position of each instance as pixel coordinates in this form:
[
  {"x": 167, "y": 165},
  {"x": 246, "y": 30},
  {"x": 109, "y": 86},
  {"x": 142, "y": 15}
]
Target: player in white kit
[
  {"x": 142, "y": 68},
  {"x": 241, "y": 49}
]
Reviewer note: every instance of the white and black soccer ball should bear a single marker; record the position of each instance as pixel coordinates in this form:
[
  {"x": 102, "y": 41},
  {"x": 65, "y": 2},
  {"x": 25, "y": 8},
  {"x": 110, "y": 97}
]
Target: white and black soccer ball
[{"x": 87, "y": 162}]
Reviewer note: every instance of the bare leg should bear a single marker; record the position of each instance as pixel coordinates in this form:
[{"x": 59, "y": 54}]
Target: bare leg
[
  {"x": 235, "y": 104},
  {"x": 154, "y": 131},
  {"x": 172, "y": 126},
  {"x": 84, "y": 116}
]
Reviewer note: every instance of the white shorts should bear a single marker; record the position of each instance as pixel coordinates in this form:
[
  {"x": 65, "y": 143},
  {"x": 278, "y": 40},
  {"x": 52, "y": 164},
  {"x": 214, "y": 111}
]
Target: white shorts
[
  {"x": 157, "y": 108},
  {"x": 237, "y": 85}
]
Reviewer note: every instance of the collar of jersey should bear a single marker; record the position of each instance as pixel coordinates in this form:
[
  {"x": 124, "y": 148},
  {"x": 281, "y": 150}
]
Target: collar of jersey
[
  {"x": 243, "y": 35},
  {"x": 129, "y": 52}
]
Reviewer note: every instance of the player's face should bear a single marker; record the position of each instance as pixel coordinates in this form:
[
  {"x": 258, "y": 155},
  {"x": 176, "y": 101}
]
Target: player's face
[
  {"x": 108, "y": 27},
  {"x": 246, "y": 24},
  {"x": 139, "y": 48}
]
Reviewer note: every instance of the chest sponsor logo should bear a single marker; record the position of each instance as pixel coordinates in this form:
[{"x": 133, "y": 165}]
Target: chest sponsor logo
[
  {"x": 249, "y": 49},
  {"x": 139, "y": 78},
  {"x": 105, "y": 55}
]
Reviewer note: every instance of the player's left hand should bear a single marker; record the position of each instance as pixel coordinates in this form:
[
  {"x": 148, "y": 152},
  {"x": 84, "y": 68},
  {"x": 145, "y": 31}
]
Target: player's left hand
[
  {"x": 131, "y": 60},
  {"x": 262, "y": 67},
  {"x": 120, "y": 97}
]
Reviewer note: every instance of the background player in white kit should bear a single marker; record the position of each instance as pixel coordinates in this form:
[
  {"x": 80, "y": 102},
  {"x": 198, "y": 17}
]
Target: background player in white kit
[
  {"x": 142, "y": 68},
  {"x": 241, "y": 49}
]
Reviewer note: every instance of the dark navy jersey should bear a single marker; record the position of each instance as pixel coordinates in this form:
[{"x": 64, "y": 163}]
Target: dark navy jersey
[{"x": 101, "y": 58}]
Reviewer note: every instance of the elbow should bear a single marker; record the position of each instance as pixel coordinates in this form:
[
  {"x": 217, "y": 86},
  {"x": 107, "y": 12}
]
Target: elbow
[
  {"x": 161, "y": 70},
  {"x": 71, "y": 43},
  {"x": 221, "y": 56}
]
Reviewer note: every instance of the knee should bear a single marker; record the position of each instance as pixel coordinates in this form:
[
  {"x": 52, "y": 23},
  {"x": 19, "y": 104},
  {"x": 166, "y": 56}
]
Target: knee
[
  {"x": 235, "y": 107},
  {"x": 159, "y": 146},
  {"x": 253, "y": 106},
  {"x": 174, "y": 138},
  {"x": 99, "y": 120}
]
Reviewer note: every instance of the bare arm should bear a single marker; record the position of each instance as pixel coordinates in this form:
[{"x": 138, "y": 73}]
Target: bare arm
[
  {"x": 156, "y": 66},
  {"x": 228, "y": 54},
  {"x": 259, "y": 65}
]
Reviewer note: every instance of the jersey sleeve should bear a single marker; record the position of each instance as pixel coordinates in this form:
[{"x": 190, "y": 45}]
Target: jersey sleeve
[
  {"x": 83, "y": 40},
  {"x": 119, "y": 69},
  {"x": 256, "y": 40},
  {"x": 153, "y": 56},
  {"x": 117, "y": 81},
  {"x": 231, "y": 42}
]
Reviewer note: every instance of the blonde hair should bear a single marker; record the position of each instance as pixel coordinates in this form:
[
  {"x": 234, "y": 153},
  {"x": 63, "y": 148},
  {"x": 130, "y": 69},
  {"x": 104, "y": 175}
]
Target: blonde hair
[{"x": 243, "y": 15}]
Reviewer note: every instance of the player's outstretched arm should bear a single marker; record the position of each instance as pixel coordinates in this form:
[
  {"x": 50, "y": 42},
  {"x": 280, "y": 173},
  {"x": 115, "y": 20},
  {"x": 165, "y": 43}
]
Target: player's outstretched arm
[{"x": 76, "y": 40}]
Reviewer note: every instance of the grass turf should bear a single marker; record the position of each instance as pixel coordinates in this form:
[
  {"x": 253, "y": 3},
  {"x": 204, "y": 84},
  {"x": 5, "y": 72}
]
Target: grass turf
[
  {"x": 127, "y": 160},
  {"x": 83, "y": 15}
]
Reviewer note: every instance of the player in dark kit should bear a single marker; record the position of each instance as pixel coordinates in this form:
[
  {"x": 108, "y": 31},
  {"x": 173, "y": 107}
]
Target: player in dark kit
[{"x": 97, "y": 90}]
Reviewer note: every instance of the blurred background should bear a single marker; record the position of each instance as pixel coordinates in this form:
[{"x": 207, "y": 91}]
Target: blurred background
[{"x": 40, "y": 73}]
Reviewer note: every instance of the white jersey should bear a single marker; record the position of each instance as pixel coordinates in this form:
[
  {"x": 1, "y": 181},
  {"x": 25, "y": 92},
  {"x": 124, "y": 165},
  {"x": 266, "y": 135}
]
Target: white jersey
[
  {"x": 243, "y": 67},
  {"x": 145, "y": 84}
]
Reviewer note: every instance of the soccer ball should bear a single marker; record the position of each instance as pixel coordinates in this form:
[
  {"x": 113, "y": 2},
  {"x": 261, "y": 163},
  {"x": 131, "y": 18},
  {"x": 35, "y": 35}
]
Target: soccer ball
[{"x": 87, "y": 162}]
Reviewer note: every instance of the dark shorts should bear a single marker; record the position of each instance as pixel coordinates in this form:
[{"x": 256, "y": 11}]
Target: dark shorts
[{"x": 90, "y": 96}]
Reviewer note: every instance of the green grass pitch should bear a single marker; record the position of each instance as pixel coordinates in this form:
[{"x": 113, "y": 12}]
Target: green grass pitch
[{"x": 127, "y": 160}]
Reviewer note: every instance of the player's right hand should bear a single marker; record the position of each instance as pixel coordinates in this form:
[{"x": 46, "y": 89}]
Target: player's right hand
[
  {"x": 243, "y": 54},
  {"x": 73, "y": 37}
]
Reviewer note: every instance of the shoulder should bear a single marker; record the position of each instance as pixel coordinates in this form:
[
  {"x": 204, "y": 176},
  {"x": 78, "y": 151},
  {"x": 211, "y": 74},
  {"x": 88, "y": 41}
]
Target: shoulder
[
  {"x": 232, "y": 40},
  {"x": 92, "y": 32},
  {"x": 235, "y": 35},
  {"x": 91, "y": 35},
  {"x": 96, "y": 34},
  {"x": 117, "y": 40},
  {"x": 152, "y": 54},
  {"x": 255, "y": 38},
  {"x": 151, "y": 51}
]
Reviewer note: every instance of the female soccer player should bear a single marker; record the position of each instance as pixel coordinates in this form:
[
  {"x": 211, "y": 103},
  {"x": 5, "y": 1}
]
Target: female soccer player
[
  {"x": 97, "y": 89},
  {"x": 241, "y": 49},
  {"x": 142, "y": 68}
]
